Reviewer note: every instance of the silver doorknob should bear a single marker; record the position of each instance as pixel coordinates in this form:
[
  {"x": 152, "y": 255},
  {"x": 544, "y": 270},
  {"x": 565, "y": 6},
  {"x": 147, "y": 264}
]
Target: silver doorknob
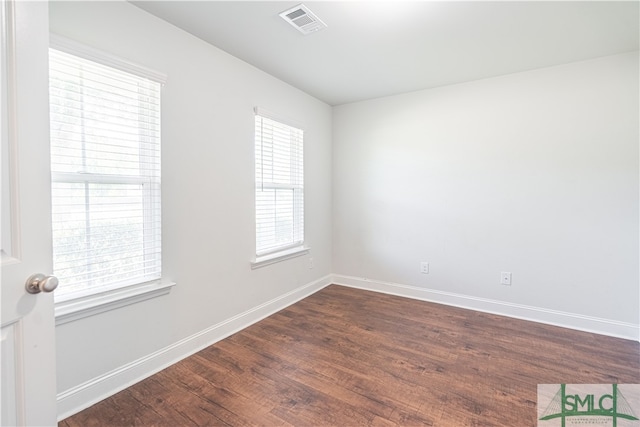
[{"x": 37, "y": 283}]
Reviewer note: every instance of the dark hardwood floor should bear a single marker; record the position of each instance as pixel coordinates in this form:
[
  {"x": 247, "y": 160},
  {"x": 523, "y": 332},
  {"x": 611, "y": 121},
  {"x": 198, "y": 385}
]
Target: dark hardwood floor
[{"x": 345, "y": 357}]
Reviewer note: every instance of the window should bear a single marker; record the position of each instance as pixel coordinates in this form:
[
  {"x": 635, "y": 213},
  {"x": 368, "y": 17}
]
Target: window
[
  {"x": 105, "y": 173},
  {"x": 279, "y": 186}
]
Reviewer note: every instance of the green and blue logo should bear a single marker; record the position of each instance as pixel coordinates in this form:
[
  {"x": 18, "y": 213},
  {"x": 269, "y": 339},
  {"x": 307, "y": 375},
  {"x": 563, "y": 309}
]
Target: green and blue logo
[{"x": 588, "y": 404}]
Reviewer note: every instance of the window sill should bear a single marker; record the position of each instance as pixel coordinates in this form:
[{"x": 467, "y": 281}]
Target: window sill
[
  {"x": 273, "y": 258},
  {"x": 76, "y": 309}
]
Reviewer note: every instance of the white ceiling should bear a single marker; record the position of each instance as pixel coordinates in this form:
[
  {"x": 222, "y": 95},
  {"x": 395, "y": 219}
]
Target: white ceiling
[{"x": 378, "y": 48}]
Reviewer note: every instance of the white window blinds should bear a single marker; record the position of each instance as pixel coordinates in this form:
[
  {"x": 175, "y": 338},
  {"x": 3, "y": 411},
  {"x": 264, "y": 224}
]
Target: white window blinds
[
  {"x": 279, "y": 185},
  {"x": 105, "y": 164}
]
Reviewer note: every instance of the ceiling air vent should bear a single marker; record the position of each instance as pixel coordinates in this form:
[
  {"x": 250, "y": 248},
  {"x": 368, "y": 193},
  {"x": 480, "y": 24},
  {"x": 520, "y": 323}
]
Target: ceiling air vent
[{"x": 303, "y": 19}]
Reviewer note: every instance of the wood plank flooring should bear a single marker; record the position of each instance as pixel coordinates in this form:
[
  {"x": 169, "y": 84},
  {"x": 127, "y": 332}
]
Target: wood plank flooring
[{"x": 345, "y": 357}]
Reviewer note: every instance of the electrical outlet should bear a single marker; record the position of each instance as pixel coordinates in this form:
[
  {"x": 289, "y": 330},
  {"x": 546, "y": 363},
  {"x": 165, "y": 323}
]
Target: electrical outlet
[
  {"x": 424, "y": 267},
  {"x": 505, "y": 278},
  {"x": 310, "y": 263}
]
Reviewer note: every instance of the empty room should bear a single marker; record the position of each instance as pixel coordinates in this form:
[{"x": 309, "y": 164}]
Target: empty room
[{"x": 329, "y": 213}]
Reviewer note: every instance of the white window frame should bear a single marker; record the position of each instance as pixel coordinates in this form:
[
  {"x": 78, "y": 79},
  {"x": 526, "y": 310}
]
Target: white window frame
[
  {"x": 90, "y": 303},
  {"x": 293, "y": 249}
]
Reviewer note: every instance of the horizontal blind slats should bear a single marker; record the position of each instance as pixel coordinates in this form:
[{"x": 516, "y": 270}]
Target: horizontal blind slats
[
  {"x": 105, "y": 162},
  {"x": 73, "y": 252},
  {"x": 99, "y": 268},
  {"x": 111, "y": 82},
  {"x": 279, "y": 185}
]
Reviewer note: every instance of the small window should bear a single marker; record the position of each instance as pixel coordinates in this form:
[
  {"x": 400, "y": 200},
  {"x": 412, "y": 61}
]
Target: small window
[
  {"x": 105, "y": 173},
  {"x": 279, "y": 186}
]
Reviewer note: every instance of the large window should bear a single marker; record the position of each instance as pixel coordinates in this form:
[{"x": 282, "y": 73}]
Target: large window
[
  {"x": 105, "y": 164},
  {"x": 279, "y": 186}
]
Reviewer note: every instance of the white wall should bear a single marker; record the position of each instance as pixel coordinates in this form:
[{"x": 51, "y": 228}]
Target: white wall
[
  {"x": 207, "y": 193},
  {"x": 535, "y": 173}
]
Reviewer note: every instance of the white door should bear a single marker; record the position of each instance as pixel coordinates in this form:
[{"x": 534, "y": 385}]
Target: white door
[{"x": 28, "y": 327}]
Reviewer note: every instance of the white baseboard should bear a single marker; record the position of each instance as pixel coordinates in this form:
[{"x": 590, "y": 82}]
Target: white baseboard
[
  {"x": 86, "y": 394},
  {"x": 80, "y": 397},
  {"x": 579, "y": 322}
]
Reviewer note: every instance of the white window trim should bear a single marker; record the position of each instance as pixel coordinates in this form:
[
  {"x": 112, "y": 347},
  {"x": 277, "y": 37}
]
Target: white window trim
[
  {"x": 78, "y": 308},
  {"x": 90, "y": 305},
  {"x": 296, "y": 249},
  {"x": 258, "y": 111},
  {"x": 280, "y": 255},
  {"x": 87, "y": 52}
]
